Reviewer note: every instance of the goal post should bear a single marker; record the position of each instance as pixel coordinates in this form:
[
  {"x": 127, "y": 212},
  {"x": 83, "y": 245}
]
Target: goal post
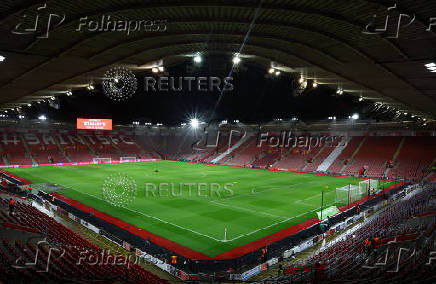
[
  {"x": 369, "y": 185},
  {"x": 102, "y": 160},
  {"x": 348, "y": 194},
  {"x": 128, "y": 159}
]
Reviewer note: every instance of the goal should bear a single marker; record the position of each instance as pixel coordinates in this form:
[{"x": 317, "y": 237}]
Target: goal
[
  {"x": 128, "y": 159},
  {"x": 348, "y": 194},
  {"x": 102, "y": 160},
  {"x": 369, "y": 184}
]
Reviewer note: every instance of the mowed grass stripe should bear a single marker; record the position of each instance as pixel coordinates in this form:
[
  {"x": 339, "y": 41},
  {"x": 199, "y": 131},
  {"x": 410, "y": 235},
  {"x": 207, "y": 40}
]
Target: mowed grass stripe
[{"x": 262, "y": 203}]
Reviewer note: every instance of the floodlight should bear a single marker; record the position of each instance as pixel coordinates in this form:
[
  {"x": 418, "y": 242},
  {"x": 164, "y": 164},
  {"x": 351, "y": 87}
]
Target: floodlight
[
  {"x": 194, "y": 123},
  {"x": 197, "y": 59},
  {"x": 236, "y": 59},
  {"x": 42, "y": 117},
  {"x": 355, "y": 116}
]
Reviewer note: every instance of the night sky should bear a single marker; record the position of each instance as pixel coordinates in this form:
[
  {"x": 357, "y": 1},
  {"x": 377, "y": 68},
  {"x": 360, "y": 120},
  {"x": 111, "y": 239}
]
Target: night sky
[{"x": 254, "y": 99}]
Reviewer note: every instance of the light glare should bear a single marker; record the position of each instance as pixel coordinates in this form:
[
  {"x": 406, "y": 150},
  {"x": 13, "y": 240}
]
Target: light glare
[
  {"x": 194, "y": 123},
  {"x": 197, "y": 59},
  {"x": 236, "y": 59}
]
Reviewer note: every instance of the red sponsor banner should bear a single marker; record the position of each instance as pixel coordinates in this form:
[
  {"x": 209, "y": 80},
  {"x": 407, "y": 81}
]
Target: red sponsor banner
[{"x": 94, "y": 124}]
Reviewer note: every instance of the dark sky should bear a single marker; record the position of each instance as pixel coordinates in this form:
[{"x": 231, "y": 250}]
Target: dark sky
[{"x": 254, "y": 99}]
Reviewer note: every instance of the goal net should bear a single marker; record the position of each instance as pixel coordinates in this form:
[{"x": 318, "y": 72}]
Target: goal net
[
  {"x": 348, "y": 194},
  {"x": 128, "y": 159},
  {"x": 102, "y": 160},
  {"x": 368, "y": 185}
]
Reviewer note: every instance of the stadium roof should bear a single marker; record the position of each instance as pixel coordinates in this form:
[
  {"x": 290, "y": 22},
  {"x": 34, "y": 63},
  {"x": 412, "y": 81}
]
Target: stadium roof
[{"x": 330, "y": 41}]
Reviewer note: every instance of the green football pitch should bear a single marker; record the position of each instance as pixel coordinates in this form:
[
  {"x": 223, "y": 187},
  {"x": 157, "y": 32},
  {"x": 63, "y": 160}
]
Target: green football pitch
[{"x": 192, "y": 204}]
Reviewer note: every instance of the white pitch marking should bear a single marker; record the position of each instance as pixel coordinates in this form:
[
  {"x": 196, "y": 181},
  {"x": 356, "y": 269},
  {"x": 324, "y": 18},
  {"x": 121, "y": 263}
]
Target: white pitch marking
[
  {"x": 248, "y": 210},
  {"x": 156, "y": 218},
  {"x": 207, "y": 236}
]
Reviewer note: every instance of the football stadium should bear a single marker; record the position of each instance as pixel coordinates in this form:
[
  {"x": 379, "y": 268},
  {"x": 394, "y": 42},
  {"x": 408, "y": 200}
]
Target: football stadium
[{"x": 218, "y": 142}]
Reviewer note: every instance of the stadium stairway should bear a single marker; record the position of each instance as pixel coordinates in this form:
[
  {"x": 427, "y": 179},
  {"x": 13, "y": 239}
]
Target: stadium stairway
[
  {"x": 266, "y": 159},
  {"x": 414, "y": 158},
  {"x": 3, "y": 153},
  {"x": 395, "y": 156},
  {"x": 26, "y": 147},
  {"x": 233, "y": 148},
  {"x": 237, "y": 151},
  {"x": 78, "y": 152},
  {"x": 373, "y": 155},
  {"x": 318, "y": 158},
  {"x": 296, "y": 159},
  {"x": 356, "y": 151},
  {"x": 116, "y": 148},
  {"x": 44, "y": 149},
  {"x": 246, "y": 155},
  {"x": 329, "y": 160},
  {"x": 91, "y": 149},
  {"x": 345, "y": 154},
  {"x": 62, "y": 151}
]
